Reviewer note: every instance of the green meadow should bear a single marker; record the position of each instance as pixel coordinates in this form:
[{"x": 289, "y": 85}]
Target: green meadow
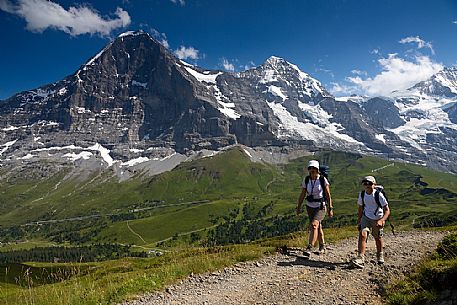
[{"x": 198, "y": 195}]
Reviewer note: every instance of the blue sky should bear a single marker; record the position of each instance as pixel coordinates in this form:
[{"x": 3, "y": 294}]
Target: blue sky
[{"x": 365, "y": 46}]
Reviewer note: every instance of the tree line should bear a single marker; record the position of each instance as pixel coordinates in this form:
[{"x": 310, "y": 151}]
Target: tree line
[
  {"x": 260, "y": 223},
  {"x": 254, "y": 224},
  {"x": 92, "y": 253}
]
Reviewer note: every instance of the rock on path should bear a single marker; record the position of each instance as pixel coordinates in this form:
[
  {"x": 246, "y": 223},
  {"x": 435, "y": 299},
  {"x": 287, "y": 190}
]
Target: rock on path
[{"x": 325, "y": 279}]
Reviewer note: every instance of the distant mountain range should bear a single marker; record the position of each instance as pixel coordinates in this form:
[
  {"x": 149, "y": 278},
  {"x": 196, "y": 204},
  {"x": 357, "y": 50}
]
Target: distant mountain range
[{"x": 135, "y": 106}]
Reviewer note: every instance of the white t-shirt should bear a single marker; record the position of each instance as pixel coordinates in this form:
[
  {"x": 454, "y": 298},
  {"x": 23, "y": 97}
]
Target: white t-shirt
[
  {"x": 372, "y": 209},
  {"x": 314, "y": 188}
]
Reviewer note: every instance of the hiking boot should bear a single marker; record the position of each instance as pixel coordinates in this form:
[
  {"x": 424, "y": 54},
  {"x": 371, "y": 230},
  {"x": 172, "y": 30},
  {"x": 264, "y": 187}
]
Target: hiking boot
[
  {"x": 322, "y": 249},
  {"x": 359, "y": 261},
  {"x": 380, "y": 257},
  {"x": 308, "y": 251}
]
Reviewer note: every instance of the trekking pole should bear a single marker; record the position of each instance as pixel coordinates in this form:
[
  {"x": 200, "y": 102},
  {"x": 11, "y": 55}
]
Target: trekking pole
[{"x": 392, "y": 227}]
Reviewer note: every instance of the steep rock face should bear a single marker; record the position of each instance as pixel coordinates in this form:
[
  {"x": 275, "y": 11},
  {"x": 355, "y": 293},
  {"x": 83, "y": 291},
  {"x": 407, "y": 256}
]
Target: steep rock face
[
  {"x": 356, "y": 123},
  {"x": 131, "y": 91},
  {"x": 138, "y": 76},
  {"x": 446, "y": 140},
  {"x": 383, "y": 113},
  {"x": 452, "y": 112}
]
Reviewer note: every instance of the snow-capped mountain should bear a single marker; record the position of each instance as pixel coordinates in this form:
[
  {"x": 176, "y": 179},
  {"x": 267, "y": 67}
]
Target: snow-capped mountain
[
  {"x": 279, "y": 76},
  {"x": 442, "y": 84},
  {"x": 136, "y": 103}
]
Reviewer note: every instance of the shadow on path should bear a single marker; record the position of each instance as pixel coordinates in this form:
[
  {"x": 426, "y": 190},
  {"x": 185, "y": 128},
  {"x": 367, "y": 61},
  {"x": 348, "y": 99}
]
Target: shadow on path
[{"x": 305, "y": 261}]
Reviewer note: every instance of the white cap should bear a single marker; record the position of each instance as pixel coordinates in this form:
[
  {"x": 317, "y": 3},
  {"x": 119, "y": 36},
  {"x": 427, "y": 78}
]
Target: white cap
[
  {"x": 369, "y": 179},
  {"x": 313, "y": 163}
]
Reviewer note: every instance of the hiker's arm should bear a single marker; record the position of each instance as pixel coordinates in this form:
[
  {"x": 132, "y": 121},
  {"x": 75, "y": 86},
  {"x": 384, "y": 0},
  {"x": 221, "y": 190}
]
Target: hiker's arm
[
  {"x": 382, "y": 221},
  {"x": 359, "y": 216},
  {"x": 330, "y": 203},
  {"x": 300, "y": 200}
]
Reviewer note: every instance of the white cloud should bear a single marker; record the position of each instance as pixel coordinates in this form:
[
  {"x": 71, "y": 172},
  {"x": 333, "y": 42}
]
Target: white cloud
[
  {"x": 375, "y": 51},
  {"x": 181, "y": 2},
  {"x": 248, "y": 66},
  {"x": 187, "y": 52},
  {"x": 42, "y": 14},
  {"x": 161, "y": 37},
  {"x": 420, "y": 42},
  {"x": 347, "y": 88},
  {"x": 165, "y": 43},
  {"x": 6, "y": 6},
  {"x": 359, "y": 72},
  {"x": 397, "y": 74},
  {"x": 327, "y": 71},
  {"x": 455, "y": 22},
  {"x": 228, "y": 65},
  {"x": 338, "y": 89}
]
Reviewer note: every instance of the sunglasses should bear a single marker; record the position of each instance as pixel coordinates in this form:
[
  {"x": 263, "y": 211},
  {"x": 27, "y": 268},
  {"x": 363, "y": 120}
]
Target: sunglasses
[
  {"x": 367, "y": 183},
  {"x": 312, "y": 167}
]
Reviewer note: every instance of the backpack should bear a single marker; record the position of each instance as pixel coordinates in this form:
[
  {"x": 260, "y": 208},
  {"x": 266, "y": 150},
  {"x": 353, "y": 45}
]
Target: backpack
[{"x": 324, "y": 173}]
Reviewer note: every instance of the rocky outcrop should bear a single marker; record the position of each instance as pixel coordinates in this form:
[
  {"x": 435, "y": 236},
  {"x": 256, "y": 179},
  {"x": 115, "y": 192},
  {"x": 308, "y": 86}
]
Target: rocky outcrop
[{"x": 382, "y": 113}]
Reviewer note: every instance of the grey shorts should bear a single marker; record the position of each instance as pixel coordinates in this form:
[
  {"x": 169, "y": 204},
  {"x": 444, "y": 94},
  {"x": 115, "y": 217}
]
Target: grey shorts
[
  {"x": 369, "y": 225},
  {"x": 316, "y": 213}
]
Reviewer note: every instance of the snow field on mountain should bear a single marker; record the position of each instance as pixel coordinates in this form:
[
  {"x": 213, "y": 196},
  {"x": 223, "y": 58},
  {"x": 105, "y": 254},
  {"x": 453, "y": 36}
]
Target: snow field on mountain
[
  {"x": 415, "y": 130},
  {"x": 290, "y": 126}
]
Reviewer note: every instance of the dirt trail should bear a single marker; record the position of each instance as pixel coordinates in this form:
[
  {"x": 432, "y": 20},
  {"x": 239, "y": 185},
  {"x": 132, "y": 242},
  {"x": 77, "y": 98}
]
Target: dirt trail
[{"x": 324, "y": 279}]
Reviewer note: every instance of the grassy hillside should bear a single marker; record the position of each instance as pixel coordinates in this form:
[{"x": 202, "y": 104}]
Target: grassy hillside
[
  {"x": 110, "y": 282},
  {"x": 432, "y": 281},
  {"x": 229, "y": 174},
  {"x": 186, "y": 204}
]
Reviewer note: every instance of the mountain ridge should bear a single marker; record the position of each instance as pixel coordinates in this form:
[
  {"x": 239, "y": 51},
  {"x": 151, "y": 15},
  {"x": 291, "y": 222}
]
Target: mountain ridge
[{"x": 139, "y": 103}]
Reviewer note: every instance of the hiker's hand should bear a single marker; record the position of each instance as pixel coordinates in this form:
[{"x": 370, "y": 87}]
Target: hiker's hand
[
  {"x": 298, "y": 210},
  {"x": 380, "y": 223},
  {"x": 330, "y": 213}
]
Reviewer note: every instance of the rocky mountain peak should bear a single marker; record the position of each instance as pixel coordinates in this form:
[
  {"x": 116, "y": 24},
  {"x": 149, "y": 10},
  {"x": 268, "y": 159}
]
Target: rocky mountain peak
[
  {"x": 280, "y": 65},
  {"x": 443, "y": 83},
  {"x": 275, "y": 61},
  {"x": 278, "y": 72},
  {"x": 124, "y": 68},
  {"x": 133, "y": 33},
  {"x": 123, "y": 47}
]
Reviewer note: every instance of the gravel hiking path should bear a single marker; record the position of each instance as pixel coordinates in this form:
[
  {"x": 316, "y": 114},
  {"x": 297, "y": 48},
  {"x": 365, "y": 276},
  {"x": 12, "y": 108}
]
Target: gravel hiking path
[{"x": 322, "y": 279}]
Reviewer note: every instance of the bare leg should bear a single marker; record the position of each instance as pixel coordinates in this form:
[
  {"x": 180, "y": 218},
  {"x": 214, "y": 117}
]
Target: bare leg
[
  {"x": 313, "y": 232},
  {"x": 379, "y": 244},
  {"x": 363, "y": 235},
  {"x": 321, "y": 235}
]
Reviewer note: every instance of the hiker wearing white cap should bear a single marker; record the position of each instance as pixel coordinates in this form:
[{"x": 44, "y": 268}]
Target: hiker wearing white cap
[
  {"x": 373, "y": 213},
  {"x": 316, "y": 190}
]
